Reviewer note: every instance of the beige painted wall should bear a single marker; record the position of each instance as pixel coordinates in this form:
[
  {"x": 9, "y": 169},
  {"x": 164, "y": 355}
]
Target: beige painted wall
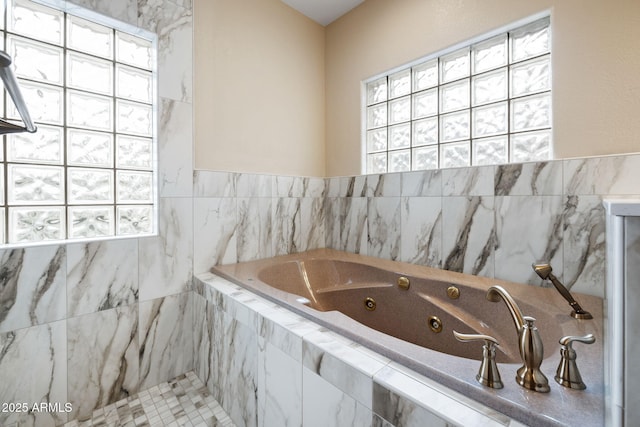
[
  {"x": 262, "y": 70},
  {"x": 259, "y": 88},
  {"x": 596, "y": 65}
]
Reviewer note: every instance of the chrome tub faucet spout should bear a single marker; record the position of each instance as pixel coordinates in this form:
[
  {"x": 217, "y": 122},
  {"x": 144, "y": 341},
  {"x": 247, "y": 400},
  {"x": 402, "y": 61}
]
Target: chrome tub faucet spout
[
  {"x": 544, "y": 271},
  {"x": 530, "y": 345}
]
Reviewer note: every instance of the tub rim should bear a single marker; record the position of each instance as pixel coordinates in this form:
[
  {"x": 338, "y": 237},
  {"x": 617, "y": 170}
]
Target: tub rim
[{"x": 561, "y": 406}]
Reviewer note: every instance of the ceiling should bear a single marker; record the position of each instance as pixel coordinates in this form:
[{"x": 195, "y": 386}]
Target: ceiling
[{"x": 323, "y": 12}]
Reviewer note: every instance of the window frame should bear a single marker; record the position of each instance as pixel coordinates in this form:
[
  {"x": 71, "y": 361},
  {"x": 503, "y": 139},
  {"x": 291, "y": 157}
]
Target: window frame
[
  {"x": 436, "y": 56},
  {"x": 115, "y": 27}
]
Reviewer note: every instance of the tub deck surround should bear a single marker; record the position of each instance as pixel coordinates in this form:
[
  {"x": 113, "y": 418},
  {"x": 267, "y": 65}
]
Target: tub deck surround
[
  {"x": 561, "y": 406},
  {"x": 303, "y": 374}
]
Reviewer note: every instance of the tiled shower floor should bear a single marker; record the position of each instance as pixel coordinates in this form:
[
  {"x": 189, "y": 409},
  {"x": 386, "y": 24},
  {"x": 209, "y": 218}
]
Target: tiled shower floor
[{"x": 183, "y": 401}]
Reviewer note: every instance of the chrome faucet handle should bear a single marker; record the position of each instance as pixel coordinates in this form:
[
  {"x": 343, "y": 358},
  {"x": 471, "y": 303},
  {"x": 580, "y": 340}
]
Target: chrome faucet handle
[
  {"x": 568, "y": 374},
  {"x": 488, "y": 374}
]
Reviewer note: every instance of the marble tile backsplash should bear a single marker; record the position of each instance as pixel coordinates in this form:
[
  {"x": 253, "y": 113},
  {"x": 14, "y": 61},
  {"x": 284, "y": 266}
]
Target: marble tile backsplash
[
  {"x": 492, "y": 221},
  {"x": 243, "y": 217}
]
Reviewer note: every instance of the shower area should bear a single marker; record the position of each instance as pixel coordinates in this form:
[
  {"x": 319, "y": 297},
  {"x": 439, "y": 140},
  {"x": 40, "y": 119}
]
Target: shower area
[{"x": 103, "y": 330}]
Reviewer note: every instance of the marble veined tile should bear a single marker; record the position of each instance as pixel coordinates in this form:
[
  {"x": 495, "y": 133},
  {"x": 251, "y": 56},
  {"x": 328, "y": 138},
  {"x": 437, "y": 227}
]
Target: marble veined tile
[
  {"x": 243, "y": 307},
  {"x": 468, "y": 235},
  {"x": 354, "y": 186},
  {"x": 383, "y": 224},
  {"x": 347, "y": 186},
  {"x": 248, "y": 309},
  {"x": 403, "y": 412},
  {"x": 254, "y": 185},
  {"x": 287, "y": 225},
  {"x": 287, "y": 186},
  {"x": 105, "y": 364},
  {"x": 378, "y": 421},
  {"x": 123, "y": 10},
  {"x": 422, "y": 183},
  {"x": 346, "y": 224},
  {"x": 469, "y": 181},
  {"x": 233, "y": 378},
  {"x": 338, "y": 361},
  {"x": 409, "y": 399},
  {"x": 202, "y": 334},
  {"x": 175, "y": 156},
  {"x": 296, "y": 186},
  {"x": 166, "y": 330},
  {"x": 313, "y": 187},
  {"x": 215, "y": 228},
  {"x": 184, "y": 3},
  {"x": 584, "y": 245},
  {"x": 529, "y": 179},
  {"x": 324, "y": 404},
  {"x": 218, "y": 290},
  {"x": 312, "y": 229},
  {"x": 614, "y": 175},
  {"x": 529, "y": 229},
  {"x": 33, "y": 368},
  {"x": 333, "y": 186},
  {"x": 284, "y": 330},
  {"x": 174, "y": 26},
  {"x": 254, "y": 233},
  {"x": 386, "y": 185},
  {"x": 166, "y": 261},
  {"x": 214, "y": 184},
  {"x": 279, "y": 388},
  {"x": 421, "y": 231},
  {"x": 212, "y": 286},
  {"x": 101, "y": 275},
  {"x": 228, "y": 303},
  {"x": 33, "y": 286}
]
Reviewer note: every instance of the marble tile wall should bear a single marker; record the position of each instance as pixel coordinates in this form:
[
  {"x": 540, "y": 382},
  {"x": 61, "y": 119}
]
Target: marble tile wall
[
  {"x": 89, "y": 324},
  {"x": 243, "y": 217},
  {"x": 272, "y": 367},
  {"x": 117, "y": 316},
  {"x": 492, "y": 221}
]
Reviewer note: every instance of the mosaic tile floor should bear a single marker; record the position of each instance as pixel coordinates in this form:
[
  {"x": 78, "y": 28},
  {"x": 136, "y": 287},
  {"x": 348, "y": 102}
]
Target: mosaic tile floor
[{"x": 181, "y": 402}]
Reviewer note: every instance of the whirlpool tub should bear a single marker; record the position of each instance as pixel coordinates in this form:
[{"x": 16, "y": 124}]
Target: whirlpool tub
[{"x": 408, "y": 313}]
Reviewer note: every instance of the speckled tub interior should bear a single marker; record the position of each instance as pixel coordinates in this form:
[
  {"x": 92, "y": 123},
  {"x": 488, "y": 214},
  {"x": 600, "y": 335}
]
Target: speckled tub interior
[
  {"x": 352, "y": 288},
  {"x": 326, "y": 281}
]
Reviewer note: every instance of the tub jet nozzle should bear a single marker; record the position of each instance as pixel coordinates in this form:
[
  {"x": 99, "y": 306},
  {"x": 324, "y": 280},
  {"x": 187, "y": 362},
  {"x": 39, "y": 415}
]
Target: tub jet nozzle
[{"x": 544, "y": 271}]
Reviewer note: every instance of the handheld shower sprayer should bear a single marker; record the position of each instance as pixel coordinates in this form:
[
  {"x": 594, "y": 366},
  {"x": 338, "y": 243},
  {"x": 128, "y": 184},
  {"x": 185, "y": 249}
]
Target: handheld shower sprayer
[{"x": 544, "y": 271}]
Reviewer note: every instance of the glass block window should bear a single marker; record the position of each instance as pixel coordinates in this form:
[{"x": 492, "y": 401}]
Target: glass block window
[
  {"x": 485, "y": 103},
  {"x": 89, "y": 85}
]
